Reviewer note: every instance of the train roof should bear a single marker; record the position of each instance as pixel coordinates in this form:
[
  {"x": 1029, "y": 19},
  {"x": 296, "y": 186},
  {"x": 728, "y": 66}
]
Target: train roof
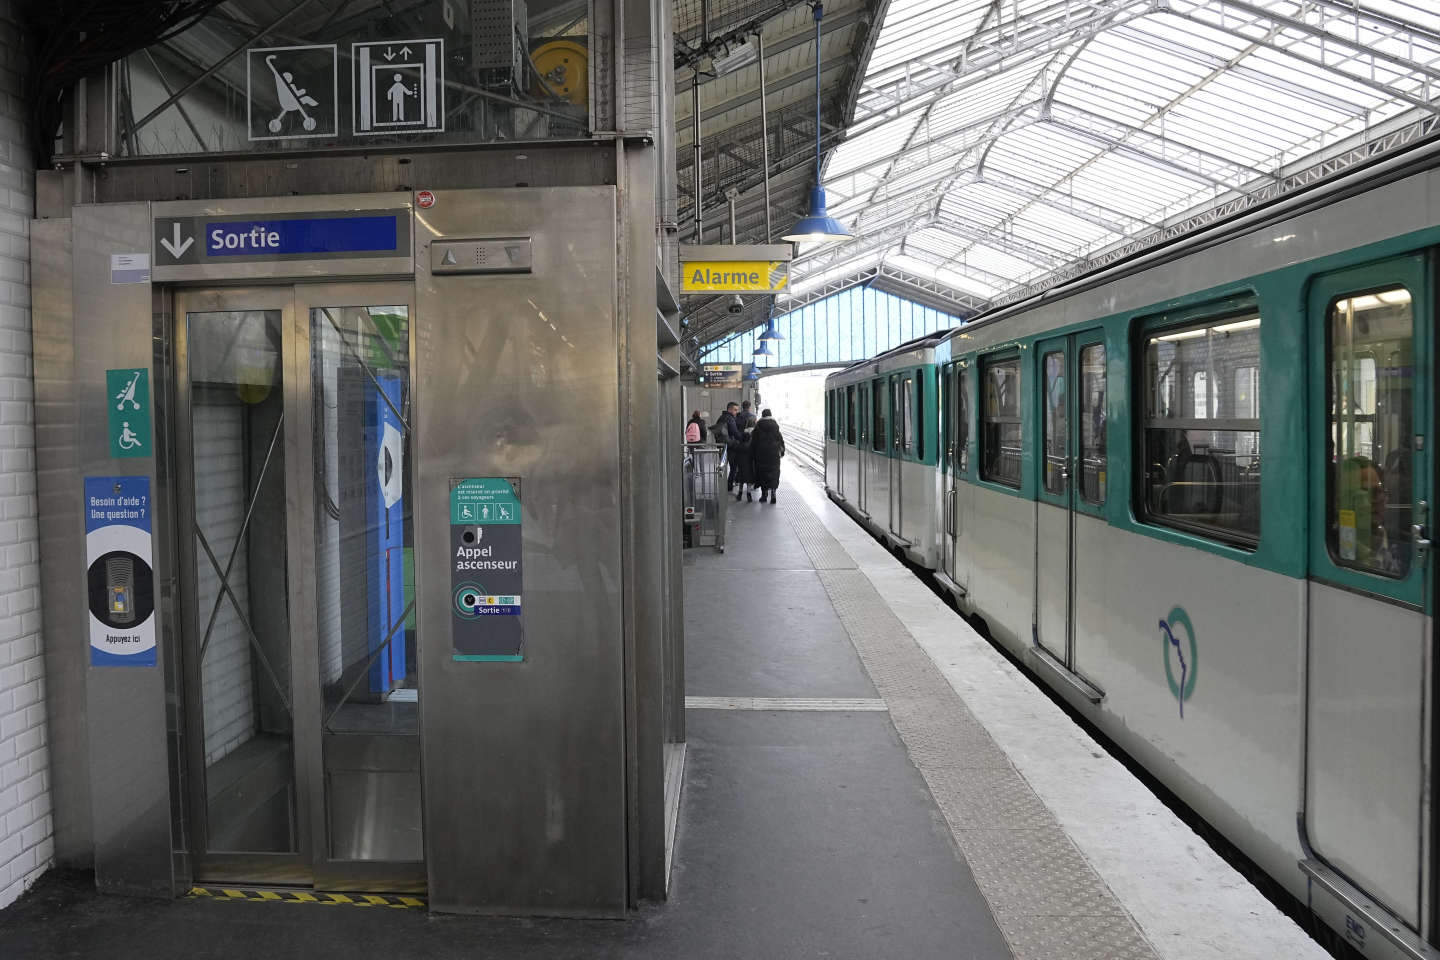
[{"x": 926, "y": 340}]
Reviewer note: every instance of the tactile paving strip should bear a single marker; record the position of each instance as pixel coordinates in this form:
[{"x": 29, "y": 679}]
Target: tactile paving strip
[
  {"x": 824, "y": 550},
  {"x": 1048, "y": 901}
]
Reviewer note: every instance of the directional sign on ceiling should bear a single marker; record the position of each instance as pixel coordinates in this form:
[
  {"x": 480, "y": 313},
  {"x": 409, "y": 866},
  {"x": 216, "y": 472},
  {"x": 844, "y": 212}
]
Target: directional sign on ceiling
[{"x": 358, "y": 234}]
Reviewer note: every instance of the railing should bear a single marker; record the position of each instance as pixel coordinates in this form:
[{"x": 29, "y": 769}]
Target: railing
[{"x": 705, "y": 496}]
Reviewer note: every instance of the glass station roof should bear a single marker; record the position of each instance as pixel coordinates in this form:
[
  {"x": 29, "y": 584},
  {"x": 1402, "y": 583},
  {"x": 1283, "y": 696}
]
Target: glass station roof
[{"x": 997, "y": 146}]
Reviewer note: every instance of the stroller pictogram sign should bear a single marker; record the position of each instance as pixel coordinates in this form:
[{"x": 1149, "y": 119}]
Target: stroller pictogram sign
[
  {"x": 293, "y": 92},
  {"x": 128, "y": 393}
]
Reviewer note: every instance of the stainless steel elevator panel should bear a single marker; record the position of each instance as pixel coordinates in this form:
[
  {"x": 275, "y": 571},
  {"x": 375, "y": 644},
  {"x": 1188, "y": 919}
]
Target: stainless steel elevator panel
[
  {"x": 129, "y": 766},
  {"x": 519, "y": 376},
  {"x": 62, "y": 536}
]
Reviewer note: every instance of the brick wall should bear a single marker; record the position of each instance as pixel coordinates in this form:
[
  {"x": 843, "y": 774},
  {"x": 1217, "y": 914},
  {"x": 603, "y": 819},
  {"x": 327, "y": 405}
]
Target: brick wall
[{"x": 26, "y": 842}]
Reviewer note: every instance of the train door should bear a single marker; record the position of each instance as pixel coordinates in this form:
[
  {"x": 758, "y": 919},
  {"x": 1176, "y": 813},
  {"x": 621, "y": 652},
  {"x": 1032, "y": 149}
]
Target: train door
[
  {"x": 900, "y": 404},
  {"x": 1072, "y": 414},
  {"x": 951, "y": 434},
  {"x": 877, "y": 473},
  {"x": 1369, "y": 634},
  {"x": 955, "y": 462},
  {"x": 862, "y": 457}
]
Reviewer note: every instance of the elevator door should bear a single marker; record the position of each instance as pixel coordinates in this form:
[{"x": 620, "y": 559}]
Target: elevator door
[{"x": 292, "y": 439}]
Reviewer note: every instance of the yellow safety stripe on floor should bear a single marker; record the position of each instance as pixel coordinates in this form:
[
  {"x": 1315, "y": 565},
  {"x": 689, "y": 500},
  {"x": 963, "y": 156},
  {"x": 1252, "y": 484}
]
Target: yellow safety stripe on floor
[{"x": 305, "y": 896}]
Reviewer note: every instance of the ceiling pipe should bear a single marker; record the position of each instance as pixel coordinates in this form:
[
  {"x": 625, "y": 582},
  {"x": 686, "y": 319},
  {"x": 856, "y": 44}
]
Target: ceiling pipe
[
  {"x": 764, "y": 136},
  {"x": 697, "y": 169}
]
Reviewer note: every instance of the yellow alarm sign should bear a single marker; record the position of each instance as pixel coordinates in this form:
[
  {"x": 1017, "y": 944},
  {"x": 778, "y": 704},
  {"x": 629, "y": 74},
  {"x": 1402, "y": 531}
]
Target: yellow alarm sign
[{"x": 734, "y": 276}]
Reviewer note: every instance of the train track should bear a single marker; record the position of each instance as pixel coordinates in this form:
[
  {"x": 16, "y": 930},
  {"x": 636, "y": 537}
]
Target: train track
[{"x": 804, "y": 449}]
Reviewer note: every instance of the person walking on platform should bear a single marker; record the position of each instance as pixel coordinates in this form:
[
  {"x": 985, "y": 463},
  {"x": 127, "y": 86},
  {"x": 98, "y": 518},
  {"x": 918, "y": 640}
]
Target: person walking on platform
[
  {"x": 767, "y": 446},
  {"x": 745, "y": 418},
  {"x": 728, "y": 435},
  {"x": 695, "y": 429},
  {"x": 744, "y": 466}
]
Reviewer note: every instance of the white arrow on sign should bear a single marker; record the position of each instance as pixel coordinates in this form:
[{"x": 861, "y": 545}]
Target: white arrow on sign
[{"x": 178, "y": 247}]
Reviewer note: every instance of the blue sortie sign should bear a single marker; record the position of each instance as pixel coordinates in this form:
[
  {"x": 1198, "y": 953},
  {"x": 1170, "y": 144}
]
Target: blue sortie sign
[{"x": 311, "y": 235}]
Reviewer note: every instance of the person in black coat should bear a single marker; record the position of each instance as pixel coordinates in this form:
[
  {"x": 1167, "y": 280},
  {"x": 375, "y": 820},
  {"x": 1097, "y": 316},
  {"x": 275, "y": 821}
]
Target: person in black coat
[
  {"x": 727, "y": 434},
  {"x": 767, "y": 446},
  {"x": 744, "y": 466},
  {"x": 745, "y": 419}
]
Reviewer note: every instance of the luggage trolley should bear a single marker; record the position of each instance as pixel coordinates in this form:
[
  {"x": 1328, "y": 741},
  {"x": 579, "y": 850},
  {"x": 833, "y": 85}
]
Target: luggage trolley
[{"x": 705, "y": 496}]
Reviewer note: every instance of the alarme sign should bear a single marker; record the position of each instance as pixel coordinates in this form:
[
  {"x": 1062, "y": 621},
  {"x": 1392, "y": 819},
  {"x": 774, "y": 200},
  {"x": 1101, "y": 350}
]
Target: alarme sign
[{"x": 734, "y": 268}]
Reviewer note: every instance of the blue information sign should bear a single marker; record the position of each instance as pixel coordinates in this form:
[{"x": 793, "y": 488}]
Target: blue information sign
[
  {"x": 311, "y": 235},
  {"x": 229, "y": 239},
  {"x": 120, "y": 585}
]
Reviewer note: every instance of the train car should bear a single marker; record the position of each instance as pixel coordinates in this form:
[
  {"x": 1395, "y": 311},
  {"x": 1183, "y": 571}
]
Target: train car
[
  {"x": 882, "y": 467},
  {"x": 1194, "y": 492}
]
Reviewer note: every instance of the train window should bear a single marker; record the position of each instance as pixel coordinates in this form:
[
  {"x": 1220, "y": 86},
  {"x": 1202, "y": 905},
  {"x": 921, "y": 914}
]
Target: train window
[
  {"x": 907, "y": 416},
  {"x": 850, "y": 418},
  {"x": 830, "y": 414},
  {"x": 1000, "y": 431},
  {"x": 1092, "y": 423},
  {"x": 877, "y": 417},
  {"x": 1202, "y": 427},
  {"x": 1370, "y": 352},
  {"x": 962, "y": 422},
  {"x": 1057, "y": 430}
]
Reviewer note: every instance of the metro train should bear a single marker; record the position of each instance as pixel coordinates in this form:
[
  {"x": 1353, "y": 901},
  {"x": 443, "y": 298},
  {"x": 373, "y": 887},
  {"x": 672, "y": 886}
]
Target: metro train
[{"x": 1251, "y": 622}]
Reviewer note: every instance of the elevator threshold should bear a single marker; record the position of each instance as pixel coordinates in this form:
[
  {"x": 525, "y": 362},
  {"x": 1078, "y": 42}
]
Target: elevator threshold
[{"x": 262, "y": 894}]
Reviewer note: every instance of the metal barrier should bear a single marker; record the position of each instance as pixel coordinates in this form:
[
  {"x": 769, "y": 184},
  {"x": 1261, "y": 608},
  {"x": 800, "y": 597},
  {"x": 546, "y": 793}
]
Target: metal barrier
[{"x": 705, "y": 496}]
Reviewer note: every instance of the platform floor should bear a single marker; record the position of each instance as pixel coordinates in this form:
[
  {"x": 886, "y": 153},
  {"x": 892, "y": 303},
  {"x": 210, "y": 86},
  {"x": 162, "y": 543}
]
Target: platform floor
[{"x": 866, "y": 778}]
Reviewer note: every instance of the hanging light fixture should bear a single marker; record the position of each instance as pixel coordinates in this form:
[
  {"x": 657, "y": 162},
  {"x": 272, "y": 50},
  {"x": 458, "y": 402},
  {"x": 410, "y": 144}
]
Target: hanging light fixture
[
  {"x": 763, "y": 350},
  {"x": 817, "y": 225},
  {"x": 770, "y": 333}
]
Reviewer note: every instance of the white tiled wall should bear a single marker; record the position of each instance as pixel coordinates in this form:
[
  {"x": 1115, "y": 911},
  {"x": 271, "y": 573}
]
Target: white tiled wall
[{"x": 26, "y": 838}]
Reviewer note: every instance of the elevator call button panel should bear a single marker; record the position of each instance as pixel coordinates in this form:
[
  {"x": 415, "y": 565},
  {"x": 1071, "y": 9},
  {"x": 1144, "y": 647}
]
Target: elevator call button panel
[{"x": 489, "y": 255}]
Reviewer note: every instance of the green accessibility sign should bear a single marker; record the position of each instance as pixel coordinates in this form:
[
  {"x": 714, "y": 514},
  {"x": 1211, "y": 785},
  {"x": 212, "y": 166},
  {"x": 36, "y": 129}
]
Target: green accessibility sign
[
  {"x": 484, "y": 500},
  {"x": 127, "y": 395}
]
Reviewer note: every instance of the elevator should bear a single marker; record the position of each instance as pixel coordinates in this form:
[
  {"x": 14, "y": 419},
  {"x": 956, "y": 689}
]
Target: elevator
[
  {"x": 293, "y": 406},
  {"x": 334, "y": 382}
]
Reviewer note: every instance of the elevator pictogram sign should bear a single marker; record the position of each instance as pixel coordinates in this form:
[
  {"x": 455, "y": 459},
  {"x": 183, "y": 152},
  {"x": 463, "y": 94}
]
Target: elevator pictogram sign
[{"x": 399, "y": 87}]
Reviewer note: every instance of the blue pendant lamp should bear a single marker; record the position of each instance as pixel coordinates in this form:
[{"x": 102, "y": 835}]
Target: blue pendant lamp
[
  {"x": 817, "y": 225},
  {"x": 770, "y": 333},
  {"x": 763, "y": 350}
]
